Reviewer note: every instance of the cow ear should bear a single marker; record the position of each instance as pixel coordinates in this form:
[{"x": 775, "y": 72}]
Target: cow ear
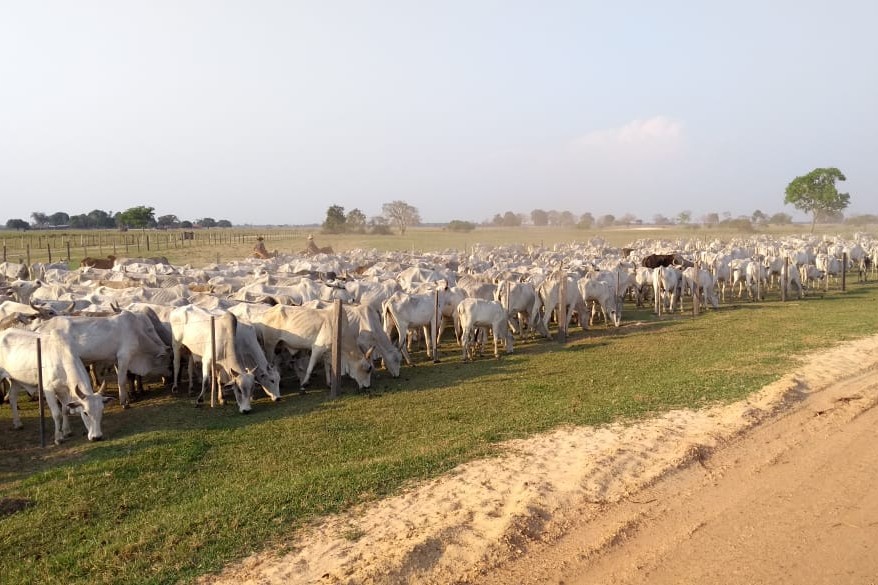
[
  {"x": 73, "y": 408},
  {"x": 234, "y": 373}
]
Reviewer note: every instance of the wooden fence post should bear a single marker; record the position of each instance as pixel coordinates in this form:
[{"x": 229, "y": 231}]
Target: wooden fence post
[
  {"x": 437, "y": 318},
  {"x": 28, "y": 253},
  {"x": 147, "y": 242},
  {"x": 844, "y": 270},
  {"x": 49, "y": 251},
  {"x": 335, "y": 363},
  {"x": 68, "y": 250},
  {"x": 4, "y": 251},
  {"x": 40, "y": 396},
  {"x": 785, "y": 279},
  {"x": 213, "y": 377},
  {"x": 696, "y": 291},
  {"x": 562, "y": 305}
]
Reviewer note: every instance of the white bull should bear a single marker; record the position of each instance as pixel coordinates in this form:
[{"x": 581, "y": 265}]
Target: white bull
[
  {"x": 474, "y": 313},
  {"x": 191, "y": 328},
  {"x": 601, "y": 295},
  {"x": 302, "y": 328},
  {"x": 66, "y": 383}
]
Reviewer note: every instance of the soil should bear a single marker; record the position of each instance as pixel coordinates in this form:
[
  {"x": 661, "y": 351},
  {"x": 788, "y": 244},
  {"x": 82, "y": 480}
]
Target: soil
[{"x": 781, "y": 487}]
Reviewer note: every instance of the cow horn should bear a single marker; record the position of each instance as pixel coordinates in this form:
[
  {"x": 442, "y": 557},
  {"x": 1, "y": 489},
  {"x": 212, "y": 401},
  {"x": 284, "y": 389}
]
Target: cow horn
[
  {"x": 369, "y": 352},
  {"x": 102, "y": 388},
  {"x": 115, "y": 306},
  {"x": 71, "y": 307},
  {"x": 78, "y": 392}
]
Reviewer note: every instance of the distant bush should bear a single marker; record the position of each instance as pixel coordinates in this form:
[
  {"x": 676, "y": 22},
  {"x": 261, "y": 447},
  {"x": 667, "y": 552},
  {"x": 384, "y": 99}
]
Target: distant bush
[{"x": 457, "y": 225}]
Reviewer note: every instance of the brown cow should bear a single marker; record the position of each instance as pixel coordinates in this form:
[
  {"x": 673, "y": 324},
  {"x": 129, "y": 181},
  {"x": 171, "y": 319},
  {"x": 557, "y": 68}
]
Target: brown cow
[{"x": 89, "y": 262}]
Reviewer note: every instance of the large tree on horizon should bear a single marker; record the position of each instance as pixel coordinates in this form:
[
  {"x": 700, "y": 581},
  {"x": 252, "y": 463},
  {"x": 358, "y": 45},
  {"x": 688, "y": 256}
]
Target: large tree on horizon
[
  {"x": 815, "y": 193},
  {"x": 401, "y": 214}
]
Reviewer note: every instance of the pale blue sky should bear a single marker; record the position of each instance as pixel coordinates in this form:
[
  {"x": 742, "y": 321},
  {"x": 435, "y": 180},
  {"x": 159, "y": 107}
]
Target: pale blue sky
[{"x": 270, "y": 111}]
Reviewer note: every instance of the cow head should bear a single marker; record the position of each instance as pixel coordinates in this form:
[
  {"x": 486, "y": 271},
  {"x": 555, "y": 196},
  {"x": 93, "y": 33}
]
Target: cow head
[
  {"x": 91, "y": 408},
  {"x": 242, "y": 386},
  {"x": 359, "y": 368},
  {"x": 269, "y": 379}
]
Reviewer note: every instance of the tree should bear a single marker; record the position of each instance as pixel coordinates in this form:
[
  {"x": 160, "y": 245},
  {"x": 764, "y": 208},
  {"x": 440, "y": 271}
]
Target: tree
[
  {"x": 401, "y": 214},
  {"x": 711, "y": 218},
  {"x": 186, "y": 224},
  {"x": 458, "y": 225},
  {"x": 40, "y": 219},
  {"x": 223, "y": 223},
  {"x": 759, "y": 217},
  {"x": 606, "y": 220},
  {"x": 101, "y": 219},
  {"x": 684, "y": 217},
  {"x": 378, "y": 225},
  {"x": 356, "y": 221},
  {"x": 137, "y": 217},
  {"x": 815, "y": 193},
  {"x": 59, "y": 218},
  {"x": 586, "y": 221},
  {"x": 167, "y": 221},
  {"x": 17, "y": 224},
  {"x": 335, "y": 220},
  {"x": 510, "y": 220},
  {"x": 207, "y": 222},
  {"x": 566, "y": 219},
  {"x": 627, "y": 219},
  {"x": 539, "y": 217}
]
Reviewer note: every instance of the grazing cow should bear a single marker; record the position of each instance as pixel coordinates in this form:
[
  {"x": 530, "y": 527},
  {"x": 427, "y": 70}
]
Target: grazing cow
[
  {"x": 253, "y": 358},
  {"x": 474, "y": 313},
  {"x": 522, "y": 303},
  {"x": 66, "y": 383},
  {"x": 790, "y": 275},
  {"x": 702, "y": 282},
  {"x": 102, "y": 263},
  {"x": 666, "y": 282},
  {"x": 364, "y": 323},
  {"x": 403, "y": 311},
  {"x": 549, "y": 292},
  {"x": 600, "y": 294},
  {"x": 301, "y": 329},
  {"x": 811, "y": 275},
  {"x": 191, "y": 328},
  {"x": 128, "y": 340}
]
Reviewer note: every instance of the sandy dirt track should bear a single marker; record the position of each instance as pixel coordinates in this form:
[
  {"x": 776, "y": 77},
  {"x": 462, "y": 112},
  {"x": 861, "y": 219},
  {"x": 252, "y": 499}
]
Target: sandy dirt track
[{"x": 779, "y": 488}]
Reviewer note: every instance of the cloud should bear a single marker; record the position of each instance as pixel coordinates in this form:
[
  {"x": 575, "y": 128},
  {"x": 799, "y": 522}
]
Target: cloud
[{"x": 654, "y": 136}]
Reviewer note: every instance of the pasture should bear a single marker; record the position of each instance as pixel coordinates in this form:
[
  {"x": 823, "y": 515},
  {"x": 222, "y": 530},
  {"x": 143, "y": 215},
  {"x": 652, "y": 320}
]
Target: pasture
[{"x": 175, "y": 492}]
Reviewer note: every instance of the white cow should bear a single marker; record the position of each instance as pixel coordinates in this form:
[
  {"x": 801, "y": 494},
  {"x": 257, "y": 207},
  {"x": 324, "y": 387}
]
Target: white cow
[
  {"x": 474, "y": 313},
  {"x": 666, "y": 284},
  {"x": 191, "y": 328},
  {"x": 403, "y": 311},
  {"x": 307, "y": 329},
  {"x": 128, "y": 340},
  {"x": 66, "y": 383},
  {"x": 601, "y": 295},
  {"x": 522, "y": 304},
  {"x": 702, "y": 282}
]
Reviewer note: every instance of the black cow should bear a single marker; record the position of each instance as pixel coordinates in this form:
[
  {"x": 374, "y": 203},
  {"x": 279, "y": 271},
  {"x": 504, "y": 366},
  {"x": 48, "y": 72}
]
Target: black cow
[{"x": 664, "y": 260}]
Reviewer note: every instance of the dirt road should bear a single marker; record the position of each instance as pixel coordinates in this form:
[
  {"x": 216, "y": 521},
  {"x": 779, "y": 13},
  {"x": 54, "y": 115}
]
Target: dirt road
[{"x": 779, "y": 488}]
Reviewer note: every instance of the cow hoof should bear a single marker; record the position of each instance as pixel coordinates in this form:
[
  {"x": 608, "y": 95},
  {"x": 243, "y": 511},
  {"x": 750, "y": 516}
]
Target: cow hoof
[
  {"x": 126, "y": 406},
  {"x": 245, "y": 412},
  {"x": 17, "y": 427},
  {"x": 58, "y": 442},
  {"x": 301, "y": 391}
]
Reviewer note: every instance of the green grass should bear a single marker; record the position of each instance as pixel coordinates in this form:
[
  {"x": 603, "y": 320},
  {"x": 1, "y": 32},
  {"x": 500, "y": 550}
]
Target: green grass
[{"x": 175, "y": 491}]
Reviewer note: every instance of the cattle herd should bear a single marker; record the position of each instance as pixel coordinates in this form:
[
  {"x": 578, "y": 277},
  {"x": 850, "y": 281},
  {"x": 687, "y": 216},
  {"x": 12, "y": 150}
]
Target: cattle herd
[{"x": 246, "y": 322}]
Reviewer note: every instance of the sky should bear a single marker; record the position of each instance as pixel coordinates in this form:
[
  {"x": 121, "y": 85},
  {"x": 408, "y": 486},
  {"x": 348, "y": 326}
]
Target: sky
[{"x": 268, "y": 112}]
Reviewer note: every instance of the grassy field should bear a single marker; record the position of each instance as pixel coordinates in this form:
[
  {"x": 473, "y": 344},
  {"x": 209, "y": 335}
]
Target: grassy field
[{"x": 175, "y": 491}]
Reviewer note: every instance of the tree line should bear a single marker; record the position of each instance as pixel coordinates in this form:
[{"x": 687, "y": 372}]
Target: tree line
[
  {"x": 397, "y": 213},
  {"x": 140, "y": 216}
]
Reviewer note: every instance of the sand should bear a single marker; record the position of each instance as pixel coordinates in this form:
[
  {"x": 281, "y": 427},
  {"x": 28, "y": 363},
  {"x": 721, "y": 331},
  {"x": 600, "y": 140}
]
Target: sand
[{"x": 568, "y": 506}]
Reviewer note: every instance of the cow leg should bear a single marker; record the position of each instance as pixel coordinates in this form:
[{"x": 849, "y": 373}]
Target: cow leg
[
  {"x": 55, "y": 409},
  {"x": 464, "y": 342},
  {"x": 122, "y": 381},
  {"x": 14, "y": 387},
  {"x": 176, "y": 349},
  {"x": 316, "y": 354}
]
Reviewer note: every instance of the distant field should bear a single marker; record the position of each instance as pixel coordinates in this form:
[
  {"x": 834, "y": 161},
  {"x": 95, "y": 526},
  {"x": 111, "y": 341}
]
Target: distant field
[
  {"x": 210, "y": 246},
  {"x": 175, "y": 492}
]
